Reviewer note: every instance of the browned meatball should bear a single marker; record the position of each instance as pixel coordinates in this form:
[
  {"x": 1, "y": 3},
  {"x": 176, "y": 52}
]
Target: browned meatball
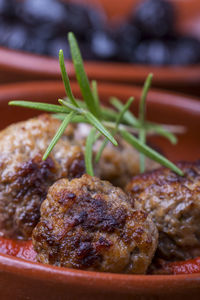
[
  {"x": 117, "y": 164},
  {"x": 25, "y": 178},
  {"x": 89, "y": 224},
  {"x": 173, "y": 202},
  {"x": 120, "y": 164}
]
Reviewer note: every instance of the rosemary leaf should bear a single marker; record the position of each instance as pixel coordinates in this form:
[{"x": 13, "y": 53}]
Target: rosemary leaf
[
  {"x": 142, "y": 108},
  {"x": 163, "y": 132},
  {"x": 123, "y": 111},
  {"x": 70, "y": 106},
  {"x": 119, "y": 118},
  {"x": 76, "y": 118},
  {"x": 108, "y": 114},
  {"x": 96, "y": 95},
  {"x": 88, "y": 152},
  {"x": 40, "y": 106},
  {"x": 128, "y": 116},
  {"x": 142, "y": 138},
  {"x": 58, "y": 134},
  {"x": 81, "y": 75},
  {"x": 100, "y": 127},
  {"x": 142, "y": 114},
  {"x": 100, "y": 151},
  {"x": 147, "y": 151},
  {"x": 65, "y": 79},
  {"x": 58, "y": 116}
]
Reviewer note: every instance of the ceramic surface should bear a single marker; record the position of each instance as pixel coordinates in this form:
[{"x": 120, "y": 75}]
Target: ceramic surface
[{"x": 22, "y": 280}]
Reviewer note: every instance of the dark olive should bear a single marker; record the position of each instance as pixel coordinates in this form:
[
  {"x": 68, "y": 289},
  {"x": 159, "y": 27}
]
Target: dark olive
[{"x": 155, "y": 18}]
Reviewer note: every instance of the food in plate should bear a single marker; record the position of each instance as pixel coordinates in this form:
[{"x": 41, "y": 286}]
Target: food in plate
[
  {"x": 147, "y": 36},
  {"x": 25, "y": 177},
  {"x": 86, "y": 222},
  {"x": 173, "y": 202}
]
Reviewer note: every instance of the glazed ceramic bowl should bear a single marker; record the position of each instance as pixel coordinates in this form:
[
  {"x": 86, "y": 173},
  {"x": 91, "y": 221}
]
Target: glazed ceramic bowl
[
  {"x": 20, "y": 66},
  {"x": 20, "y": 279}
]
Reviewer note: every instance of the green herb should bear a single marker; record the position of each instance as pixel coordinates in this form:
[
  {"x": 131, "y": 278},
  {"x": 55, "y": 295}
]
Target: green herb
[
  {"x": 105, "y": 122},
  {"x": 81, "y": 76},
  {"x": 128, "y": 117},
  {"x": 88, "y": 152},
  {"x": 154, "y": 155},
  {"x": 59, "y": 133},
  {"x": 142, "y": 113},
  {"x": 65, "y": 79}
]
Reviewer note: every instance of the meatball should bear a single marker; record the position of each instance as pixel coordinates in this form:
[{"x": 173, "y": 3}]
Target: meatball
[
  {"x": 25, "y": 177},
  {"x": 120, "y": 164},
  {"x": 89, "y": 224},
  {"x": 117, "y": 164},
  {"x": 173, "y": 202}
]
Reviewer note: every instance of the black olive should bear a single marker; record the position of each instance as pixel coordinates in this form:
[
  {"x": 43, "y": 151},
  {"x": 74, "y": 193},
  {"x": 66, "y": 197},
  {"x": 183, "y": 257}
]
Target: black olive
[
  {"x": 56, "y": 44},
  {"x": 13, "y": 35},
  {"x": 127, "y": 36},
  {"x": 148, "y": 36},
  {"x": 155, "y": 18},
  {"x": 45, "y": 18},
  {"x": 103, "y": 45},
  {"x": 82, "y": 20},
  {"x": 186, "y": 50},
  {"x": 86, "y": 51},
  {"x": 7, "y": 8},
  {"x": 36, "y": 45},
  {"x": 155, "y": 52}
]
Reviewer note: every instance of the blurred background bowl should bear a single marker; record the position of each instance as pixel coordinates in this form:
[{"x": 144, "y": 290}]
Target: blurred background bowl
[{"x": 20, "y": 66}]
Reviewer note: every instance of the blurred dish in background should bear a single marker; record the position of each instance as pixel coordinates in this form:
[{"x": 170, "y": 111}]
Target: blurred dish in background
[
  {"x": 17, "y": 65},
  {"x": 147, "y": 36}
]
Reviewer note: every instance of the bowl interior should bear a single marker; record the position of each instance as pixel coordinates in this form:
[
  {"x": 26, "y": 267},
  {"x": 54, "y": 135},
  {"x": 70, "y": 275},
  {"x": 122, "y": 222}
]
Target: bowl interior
[{"x": 37, "y": 281}]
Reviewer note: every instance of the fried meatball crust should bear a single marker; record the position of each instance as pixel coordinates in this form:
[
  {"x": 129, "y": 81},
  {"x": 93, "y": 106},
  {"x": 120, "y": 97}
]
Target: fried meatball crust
[
  {"x": 89, "y": 224},
  {"x": 173, "y": 202},
  {"x": 25, "y": 177}
]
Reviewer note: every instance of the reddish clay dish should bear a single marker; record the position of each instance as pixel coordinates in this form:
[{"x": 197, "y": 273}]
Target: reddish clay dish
[
  {"x": 23, "y": 279},
  {"x": 18, "y": 66}
]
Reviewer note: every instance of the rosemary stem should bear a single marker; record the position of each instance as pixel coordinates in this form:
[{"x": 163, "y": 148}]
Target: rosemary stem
[
  {"x": 142, "y": 114},
  {"x": 70, "y": 106}
]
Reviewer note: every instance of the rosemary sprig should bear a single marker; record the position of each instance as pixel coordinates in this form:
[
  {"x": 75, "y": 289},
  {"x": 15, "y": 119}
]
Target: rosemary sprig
[
  {"x": 40, "y": 106},
  {"x": 104, "y": 121},
  {"x": 88, "y": 152},
  {"x": 147, "y": 151},
  {"x": 65, "y": 79},
  {"x": 150, "y": 127},
  {"x": 142, "y": 113},
  {"x": 81, "y": 76},
  {"x": 128, "y": 117},
  {"x": 91, "y": 119},
  {"x": 59, "y": 133},
  {"x": 118, "y": 120},
  {"x": 96, "y": 96}
]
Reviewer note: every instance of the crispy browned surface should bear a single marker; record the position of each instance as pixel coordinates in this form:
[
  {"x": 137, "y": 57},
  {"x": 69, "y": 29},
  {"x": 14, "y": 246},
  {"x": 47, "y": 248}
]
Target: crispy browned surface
[
  {"x": 173, "y": 202},
  {"x": 89, "y": 224},
  {"x": 25, "y": 178}
]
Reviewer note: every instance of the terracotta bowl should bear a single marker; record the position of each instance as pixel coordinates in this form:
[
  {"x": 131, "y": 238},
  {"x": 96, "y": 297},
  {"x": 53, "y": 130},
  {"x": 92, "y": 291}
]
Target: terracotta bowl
[
  {"x": 22, "y": 280},
  {"x": 20, "y": 66}
]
